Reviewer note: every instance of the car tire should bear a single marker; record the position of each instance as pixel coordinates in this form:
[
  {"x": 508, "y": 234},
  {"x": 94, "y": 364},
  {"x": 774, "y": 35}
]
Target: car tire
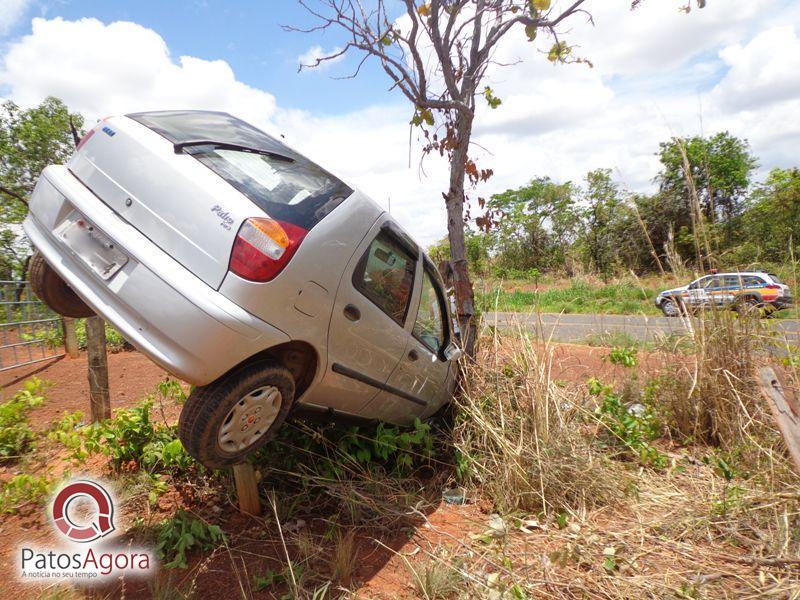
[
  {"x": 54, "y": 291},
  {"x": 749, "y": 306},
  {"x": 670, "y": 308},
  {"x": 219, "y": 425}
]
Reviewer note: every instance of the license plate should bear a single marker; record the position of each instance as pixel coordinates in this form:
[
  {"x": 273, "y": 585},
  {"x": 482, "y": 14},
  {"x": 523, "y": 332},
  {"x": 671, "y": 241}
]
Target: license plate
[{"x": 91, "y": 246}]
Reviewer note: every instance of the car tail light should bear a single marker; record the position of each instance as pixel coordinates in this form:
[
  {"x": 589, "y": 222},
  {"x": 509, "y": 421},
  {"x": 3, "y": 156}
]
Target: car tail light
[
  {"x": 85, "y": 139},
  {"x": 263, "y": 247},
  {"x": 772, "y": 286}
]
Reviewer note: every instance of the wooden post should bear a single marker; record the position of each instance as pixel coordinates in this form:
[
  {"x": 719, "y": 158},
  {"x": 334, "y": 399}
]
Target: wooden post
[
  {"x": 247, "y": 489},
  {"x": 98, "y": 368},
  {"x": 70, "y": 337},
  {"x": 784, "y": 410}
]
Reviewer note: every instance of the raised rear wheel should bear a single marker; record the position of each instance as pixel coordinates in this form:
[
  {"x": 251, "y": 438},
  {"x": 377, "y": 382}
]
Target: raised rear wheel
[{"x": 54, "y": 291}]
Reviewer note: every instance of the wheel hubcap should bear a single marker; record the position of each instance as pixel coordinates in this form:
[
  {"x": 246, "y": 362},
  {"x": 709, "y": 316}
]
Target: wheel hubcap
[
  {"x": 669, "y": 308},
  {"x": 249, "y": 419}
]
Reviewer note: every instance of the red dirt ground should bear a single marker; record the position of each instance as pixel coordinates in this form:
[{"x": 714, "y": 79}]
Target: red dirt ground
[{"x": 382, "y": 571}]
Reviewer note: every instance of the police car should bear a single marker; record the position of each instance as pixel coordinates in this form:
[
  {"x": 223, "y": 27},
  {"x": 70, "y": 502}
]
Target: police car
[{"x": 742, "y": 291}]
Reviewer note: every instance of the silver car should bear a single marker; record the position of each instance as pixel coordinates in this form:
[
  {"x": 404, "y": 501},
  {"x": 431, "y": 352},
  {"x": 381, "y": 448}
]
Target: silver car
[{"x": 245, "y": 269}]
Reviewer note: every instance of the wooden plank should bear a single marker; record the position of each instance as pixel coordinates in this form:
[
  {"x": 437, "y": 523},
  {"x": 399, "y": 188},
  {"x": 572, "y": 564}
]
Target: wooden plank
[
  {"x": 70, "y": 337},
  {"x": 782, "y": 408},
  {"x": 247, "y": 489},
  {"x": 98, "y": 369}
]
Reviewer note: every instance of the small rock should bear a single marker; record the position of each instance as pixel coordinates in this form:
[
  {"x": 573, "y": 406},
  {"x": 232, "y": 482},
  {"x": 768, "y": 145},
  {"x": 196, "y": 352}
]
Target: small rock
[{"x": 574, "y": 528}]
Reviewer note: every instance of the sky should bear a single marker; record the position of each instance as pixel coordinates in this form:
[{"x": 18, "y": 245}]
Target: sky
[{"x": 658, "y": 73}]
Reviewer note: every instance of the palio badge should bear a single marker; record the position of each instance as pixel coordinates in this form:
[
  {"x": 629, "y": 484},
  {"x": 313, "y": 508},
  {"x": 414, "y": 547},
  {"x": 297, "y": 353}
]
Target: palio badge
[{"x": 83, "y": 513}]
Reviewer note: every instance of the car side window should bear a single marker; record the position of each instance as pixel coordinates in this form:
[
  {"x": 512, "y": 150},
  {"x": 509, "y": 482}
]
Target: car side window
[
  {"x": 753, "y": 281},
  {"x": 732, "y": 281},
  {"x": 429, "y": 324},
  {"x": 385, "y": 275}
]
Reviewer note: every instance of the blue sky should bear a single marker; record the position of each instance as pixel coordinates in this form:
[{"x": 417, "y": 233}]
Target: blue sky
[
  {"x": 246, "y": 34},
  {"x": 734, "y": 66}
]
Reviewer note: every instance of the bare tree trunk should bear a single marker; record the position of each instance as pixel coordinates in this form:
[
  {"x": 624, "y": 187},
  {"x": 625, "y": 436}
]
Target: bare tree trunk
[{"x": 465, "y": 297}]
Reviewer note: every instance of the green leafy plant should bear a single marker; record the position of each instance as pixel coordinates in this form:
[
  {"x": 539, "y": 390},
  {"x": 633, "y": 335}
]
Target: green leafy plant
[
  {"x": 67, "y": 431},
  {"x": 625, "y": 357},
  {"x": 171, "y": 389},
  {"x": 184, "y": 533},
  {"x": 16, "y": 436},
  {"x": 131, "y": 440},
  {"x": 627, "y": 428},
  {"x": 23, "y": 489}
]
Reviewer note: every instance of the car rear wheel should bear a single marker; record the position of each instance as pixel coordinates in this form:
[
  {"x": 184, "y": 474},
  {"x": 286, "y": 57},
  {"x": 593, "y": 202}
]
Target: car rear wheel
[
  {"x": 670, "y": 308},
  {"x": 237, "y": 414},
  {"x": 54, "y": 291}
]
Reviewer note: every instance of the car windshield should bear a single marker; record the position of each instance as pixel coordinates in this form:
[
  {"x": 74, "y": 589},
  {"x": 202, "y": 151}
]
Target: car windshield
[{"x": 281, "y": 182}]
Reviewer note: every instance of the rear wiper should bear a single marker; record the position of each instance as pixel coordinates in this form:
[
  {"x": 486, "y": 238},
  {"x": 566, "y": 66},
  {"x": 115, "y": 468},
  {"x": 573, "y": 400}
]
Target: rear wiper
[{"x": 181, "y": 146}]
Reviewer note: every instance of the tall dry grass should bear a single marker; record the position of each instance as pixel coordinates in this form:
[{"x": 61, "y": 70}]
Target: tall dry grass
[{"x": 522, "y": 439}]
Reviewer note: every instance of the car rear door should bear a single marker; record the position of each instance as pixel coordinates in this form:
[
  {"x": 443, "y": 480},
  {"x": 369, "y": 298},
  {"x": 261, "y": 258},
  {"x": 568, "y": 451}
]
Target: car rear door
[
  {"x": 366, "y": 337},
  {"x": 421, "y": 382}
]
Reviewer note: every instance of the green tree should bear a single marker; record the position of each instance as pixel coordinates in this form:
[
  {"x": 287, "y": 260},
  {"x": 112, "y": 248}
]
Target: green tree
[
  {"x": 602, "y": 199},
  {"x": 772, "y": 222},
  {"x": 721, "y": 167},
  {"x": 30, "y": 140},
  {"x": 537, "y": 225}
]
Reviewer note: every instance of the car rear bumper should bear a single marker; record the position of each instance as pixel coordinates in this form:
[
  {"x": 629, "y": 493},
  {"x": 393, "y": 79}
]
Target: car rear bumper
[
  {"x": 782, "y": 302},
  {"x": 165, "y": 311}
]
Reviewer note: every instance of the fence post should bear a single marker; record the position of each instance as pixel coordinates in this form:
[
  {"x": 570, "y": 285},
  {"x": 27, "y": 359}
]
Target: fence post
[
  {"x": 70, "y": 337},
  {"x": 98, "y": 368},
  {"x": 247, "y": 489}
]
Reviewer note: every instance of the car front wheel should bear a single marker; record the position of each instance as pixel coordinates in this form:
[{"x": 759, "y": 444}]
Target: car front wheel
[
  {"x": 237, "y": 414},
  {"x": 54, "y": 291},
  {"x": 670, "y": 308}
]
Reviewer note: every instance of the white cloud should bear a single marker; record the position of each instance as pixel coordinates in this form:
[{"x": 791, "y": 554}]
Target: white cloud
[
  {"x": 120, "y": 67},
  {"x": 764, "y": 71},
  {"x": 11, "y": 11},
  {"x": 659, "y": 73},
  {"x": 308, "y": 59}
]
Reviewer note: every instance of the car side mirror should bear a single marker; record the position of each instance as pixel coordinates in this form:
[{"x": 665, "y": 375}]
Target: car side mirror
[{"x": 452, "y": 352}]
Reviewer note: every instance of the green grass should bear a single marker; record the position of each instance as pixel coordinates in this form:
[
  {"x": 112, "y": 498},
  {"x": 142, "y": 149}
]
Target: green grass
[{"x": 579, "y": 298}]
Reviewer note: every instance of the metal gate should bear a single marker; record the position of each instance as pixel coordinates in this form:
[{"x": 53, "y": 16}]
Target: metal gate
[{"x": 29, "y": 331}]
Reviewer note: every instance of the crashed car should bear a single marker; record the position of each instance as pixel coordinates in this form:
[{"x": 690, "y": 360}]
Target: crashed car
[
  {"x": 245, "y": 269},
  {"x": 749, "y": 291}
]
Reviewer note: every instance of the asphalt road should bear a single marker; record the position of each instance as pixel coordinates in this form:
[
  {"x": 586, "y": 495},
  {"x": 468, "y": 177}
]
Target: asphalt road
[{"x": 582, "y": 328}]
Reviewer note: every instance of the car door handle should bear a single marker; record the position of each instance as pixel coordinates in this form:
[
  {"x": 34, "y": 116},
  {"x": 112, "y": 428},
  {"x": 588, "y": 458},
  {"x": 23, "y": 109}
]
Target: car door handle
[
  {"x": 351, "y": 312},
  {"x": 413, "y": 355}
]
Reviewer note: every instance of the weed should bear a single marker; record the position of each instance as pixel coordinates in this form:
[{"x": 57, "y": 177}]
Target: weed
[
  {"x": 343, "y": 559},
  {"x": 132, "y": 440},
  {"x": 16, "y": 436},
  {"x": 625, "y": 357},
  {"x": 183, "y": 533},
  {"x": 68, "y": 432},
  {"x": 438, "y": 579},
  {"x": 628, "y": 428},
  {"x": 171, "y": 389},
  {"x": 23, "y": 489}
]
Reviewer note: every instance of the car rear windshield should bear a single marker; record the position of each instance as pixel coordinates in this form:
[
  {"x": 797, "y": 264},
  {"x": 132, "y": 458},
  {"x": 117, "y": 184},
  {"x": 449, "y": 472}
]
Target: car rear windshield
[
  {"x": 284, "y": 184},
  {"x": 774, "y": 278}
]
